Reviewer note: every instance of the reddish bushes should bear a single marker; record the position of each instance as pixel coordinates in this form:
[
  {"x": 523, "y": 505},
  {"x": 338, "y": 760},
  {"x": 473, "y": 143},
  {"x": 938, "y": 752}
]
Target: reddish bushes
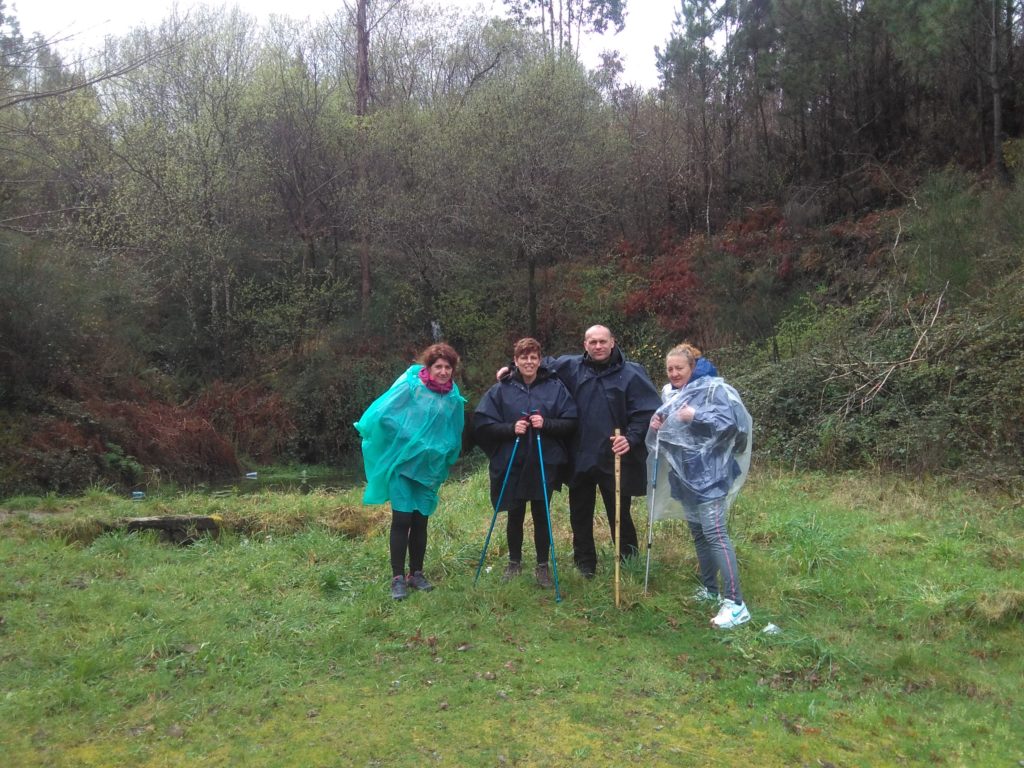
[
  {"x": 116, "y": 441},
  {"x": 671, "y": 295},
  {"x": 185, "y": 447},
  {"x": 255, "y": 421}
]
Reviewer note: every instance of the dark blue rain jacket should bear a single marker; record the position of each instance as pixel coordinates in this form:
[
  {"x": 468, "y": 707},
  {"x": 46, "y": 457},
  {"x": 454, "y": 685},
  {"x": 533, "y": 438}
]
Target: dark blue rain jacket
[
  {"x": 494, "y": 427},
  {"x": 618, "y": 394}
]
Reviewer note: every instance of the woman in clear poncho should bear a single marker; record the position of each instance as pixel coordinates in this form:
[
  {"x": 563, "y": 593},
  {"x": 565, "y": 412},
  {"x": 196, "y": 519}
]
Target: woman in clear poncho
[
  {"x": 700, "y": 439},
  {"x": 412, "y": 434}
]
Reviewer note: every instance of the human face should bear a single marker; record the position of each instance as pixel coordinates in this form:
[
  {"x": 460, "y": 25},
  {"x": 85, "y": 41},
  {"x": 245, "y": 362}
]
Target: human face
[
  {"x": 679, "y": 370},
  {"x": 441, "y": 371},
  {"x": 599, "y": 343},
  {"x": 528, "y": 365}
]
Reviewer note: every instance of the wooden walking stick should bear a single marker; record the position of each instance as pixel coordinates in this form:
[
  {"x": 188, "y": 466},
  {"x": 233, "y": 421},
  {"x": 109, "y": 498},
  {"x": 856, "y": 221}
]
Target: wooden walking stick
[{"x": 618, "y": 487}]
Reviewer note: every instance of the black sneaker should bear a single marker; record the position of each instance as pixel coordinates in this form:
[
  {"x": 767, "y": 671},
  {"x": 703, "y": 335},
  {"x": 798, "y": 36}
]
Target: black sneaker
[
  {"x": 513, "y": 569},
  {"x": 543, "y": 575},
  {"x": 418, "y": 581},
  {"x": 399, "y": 589}
]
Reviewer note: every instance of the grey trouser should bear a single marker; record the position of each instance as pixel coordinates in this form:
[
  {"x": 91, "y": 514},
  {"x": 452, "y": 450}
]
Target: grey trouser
[{"x": 715, "y": 553}]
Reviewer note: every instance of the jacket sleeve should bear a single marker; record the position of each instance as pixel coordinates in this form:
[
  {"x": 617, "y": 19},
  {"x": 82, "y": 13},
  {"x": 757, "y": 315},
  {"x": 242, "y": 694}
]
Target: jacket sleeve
[
  {"x": 642, "y": 400},
  {"x": 561, "y": 413},
  {"x": 489, "y": 427},
  {"x": 493, "y": 432},
  {"x": 559, "y": 427},
  {"x": 563, "y": 367},
  {"x": 713, "y": 417}
]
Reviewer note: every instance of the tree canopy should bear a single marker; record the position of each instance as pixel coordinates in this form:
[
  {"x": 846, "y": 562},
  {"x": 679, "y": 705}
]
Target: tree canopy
[{"x": 290, "y": 201}]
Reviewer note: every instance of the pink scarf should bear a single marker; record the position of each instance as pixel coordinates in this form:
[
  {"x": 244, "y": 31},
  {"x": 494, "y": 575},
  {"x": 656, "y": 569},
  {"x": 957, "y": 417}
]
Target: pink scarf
[{"x": 434, "y": 386}]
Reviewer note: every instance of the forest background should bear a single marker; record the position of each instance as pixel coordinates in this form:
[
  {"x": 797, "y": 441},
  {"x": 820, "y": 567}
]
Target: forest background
[{"x": 219, "y": 240}]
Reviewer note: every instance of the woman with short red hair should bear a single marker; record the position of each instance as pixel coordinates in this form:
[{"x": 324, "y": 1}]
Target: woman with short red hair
[{"x": 412, "y": 434}]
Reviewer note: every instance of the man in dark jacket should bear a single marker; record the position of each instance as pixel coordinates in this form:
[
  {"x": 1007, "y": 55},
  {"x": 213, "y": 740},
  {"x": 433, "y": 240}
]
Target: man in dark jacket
[{"x": 610, "y": 392}]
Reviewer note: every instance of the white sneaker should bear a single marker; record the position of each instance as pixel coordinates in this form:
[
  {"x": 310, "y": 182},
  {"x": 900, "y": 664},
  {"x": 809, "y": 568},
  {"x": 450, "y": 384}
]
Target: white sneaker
[
  {"x": 704, "y": 595},
  {"x": 731, "y": 615}
]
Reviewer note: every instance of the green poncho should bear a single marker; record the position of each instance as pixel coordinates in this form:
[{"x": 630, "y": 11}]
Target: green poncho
[{"x": 411, "y": 436}]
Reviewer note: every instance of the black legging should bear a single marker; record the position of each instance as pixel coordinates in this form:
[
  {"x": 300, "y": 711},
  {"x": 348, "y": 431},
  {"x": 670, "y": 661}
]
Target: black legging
[
  {"x": 514, "y": 530},
  {"x": 408, "y": 533}
]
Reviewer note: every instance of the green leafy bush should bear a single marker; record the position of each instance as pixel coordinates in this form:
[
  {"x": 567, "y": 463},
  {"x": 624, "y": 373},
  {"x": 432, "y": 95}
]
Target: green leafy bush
[
  {"x": 328, "y": 395},
  {"x": 960, "y": 236},
  {"x": 919, "y": 389}
]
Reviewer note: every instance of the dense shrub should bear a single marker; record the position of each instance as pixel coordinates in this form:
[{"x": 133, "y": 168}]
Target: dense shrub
[
  {"x": 327, "y": 395},
  {"x": 44, "y": 453},
  {"x": 894, "y": 339},
  {"x": 257, "y": 422},
  {"x": 921, "y": 389},
  {"x": 111, "y": 442}
]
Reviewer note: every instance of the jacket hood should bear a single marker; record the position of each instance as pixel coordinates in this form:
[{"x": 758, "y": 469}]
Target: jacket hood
[
  {"x": 704, "y": 367},
  {"x": 514, "y": 374}
]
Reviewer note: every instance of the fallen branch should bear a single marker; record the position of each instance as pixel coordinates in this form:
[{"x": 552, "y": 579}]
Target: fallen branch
[{"x": 874, "y": 375}]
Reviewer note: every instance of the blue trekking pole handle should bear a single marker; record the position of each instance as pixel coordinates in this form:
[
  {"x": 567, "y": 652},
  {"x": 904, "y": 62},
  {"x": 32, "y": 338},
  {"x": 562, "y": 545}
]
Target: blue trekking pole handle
[{"x": 497, "y": 506}]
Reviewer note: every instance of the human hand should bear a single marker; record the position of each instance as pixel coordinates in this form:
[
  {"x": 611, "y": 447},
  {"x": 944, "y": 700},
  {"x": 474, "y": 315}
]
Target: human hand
[
  {"x": 656, "y": 422},
  {"x": 501, "y": 373},
  {"x": 620, "y": 445},
  {"x": 536, "y": 421},
  {"x": 686, "y": 414},
  {"x": 521, "y": 426}
]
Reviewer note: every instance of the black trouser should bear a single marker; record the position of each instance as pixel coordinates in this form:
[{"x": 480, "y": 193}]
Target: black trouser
[
  {"x": 408, "y": 533},
  {"x": 514, "y": 530},
  {"x": 582, "y": 500}
]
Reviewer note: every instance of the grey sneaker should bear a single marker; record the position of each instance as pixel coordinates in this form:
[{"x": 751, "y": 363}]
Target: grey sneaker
[
  {"x": 418, "y": 581},
  {"x": 705, "y": 595},
  {"x": 543, "y": 574},
  {"x": 399, "y": 590},
  {"x": 513, "y": 569}
]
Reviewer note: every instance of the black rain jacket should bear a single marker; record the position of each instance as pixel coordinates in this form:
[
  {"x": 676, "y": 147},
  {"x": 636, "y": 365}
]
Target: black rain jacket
[
  {"x": 618, "y": 394},
  {"x": 494, "y": 429}
]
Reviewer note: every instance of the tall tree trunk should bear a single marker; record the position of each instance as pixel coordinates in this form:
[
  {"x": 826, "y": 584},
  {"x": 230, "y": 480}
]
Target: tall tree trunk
[
  {"x": 995, "y": 83},
  {"x": 979, "y": 90},
  {"x": 362, "y": 105},
  {"x": 309, "y": 260},
  {"x": 531, "y": 290},
  {"x": 362, "y": 59},
  {"x": 765, "y": 138}
]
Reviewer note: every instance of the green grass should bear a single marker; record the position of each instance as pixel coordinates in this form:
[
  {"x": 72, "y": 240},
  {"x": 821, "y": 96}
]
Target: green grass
[{"x": 900, "y": 606}]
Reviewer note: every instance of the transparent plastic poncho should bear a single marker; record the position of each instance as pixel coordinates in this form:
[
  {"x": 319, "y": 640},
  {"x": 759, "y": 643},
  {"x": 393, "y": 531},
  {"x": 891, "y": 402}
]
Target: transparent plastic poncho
[
  {"x": 705, "y": 461},
  {"x": 411, "y": 437}
]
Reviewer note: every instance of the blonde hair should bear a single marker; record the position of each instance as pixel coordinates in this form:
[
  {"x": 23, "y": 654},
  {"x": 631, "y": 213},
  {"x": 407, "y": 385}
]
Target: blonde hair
[{"x": 687, "y": 350}]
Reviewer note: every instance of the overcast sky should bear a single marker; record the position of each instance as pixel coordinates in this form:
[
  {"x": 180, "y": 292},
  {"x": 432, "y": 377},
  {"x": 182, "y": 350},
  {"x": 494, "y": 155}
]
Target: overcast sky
[{"x": 648, "y": 23}]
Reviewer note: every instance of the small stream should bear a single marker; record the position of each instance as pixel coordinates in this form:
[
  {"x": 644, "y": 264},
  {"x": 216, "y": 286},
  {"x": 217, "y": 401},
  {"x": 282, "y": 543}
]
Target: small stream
[
  {"x": 297, "y": 481},
  {"x": 303, "y": 480}
]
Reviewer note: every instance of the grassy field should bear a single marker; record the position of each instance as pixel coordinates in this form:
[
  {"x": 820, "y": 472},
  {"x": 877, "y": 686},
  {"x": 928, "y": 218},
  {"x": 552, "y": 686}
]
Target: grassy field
[{"x": 900, "y": 606}]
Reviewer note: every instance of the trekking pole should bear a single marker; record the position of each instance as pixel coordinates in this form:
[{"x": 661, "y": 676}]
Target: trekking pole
[
  {"x": 547, "y": 512},
  {"x": 497, "y": 506},
  {"x": 650, "y": 514},
  {"x": 618, "y": 526}
]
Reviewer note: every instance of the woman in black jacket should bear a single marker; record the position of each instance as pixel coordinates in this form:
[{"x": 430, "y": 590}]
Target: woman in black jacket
[{"x": 527, "y": 402}]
